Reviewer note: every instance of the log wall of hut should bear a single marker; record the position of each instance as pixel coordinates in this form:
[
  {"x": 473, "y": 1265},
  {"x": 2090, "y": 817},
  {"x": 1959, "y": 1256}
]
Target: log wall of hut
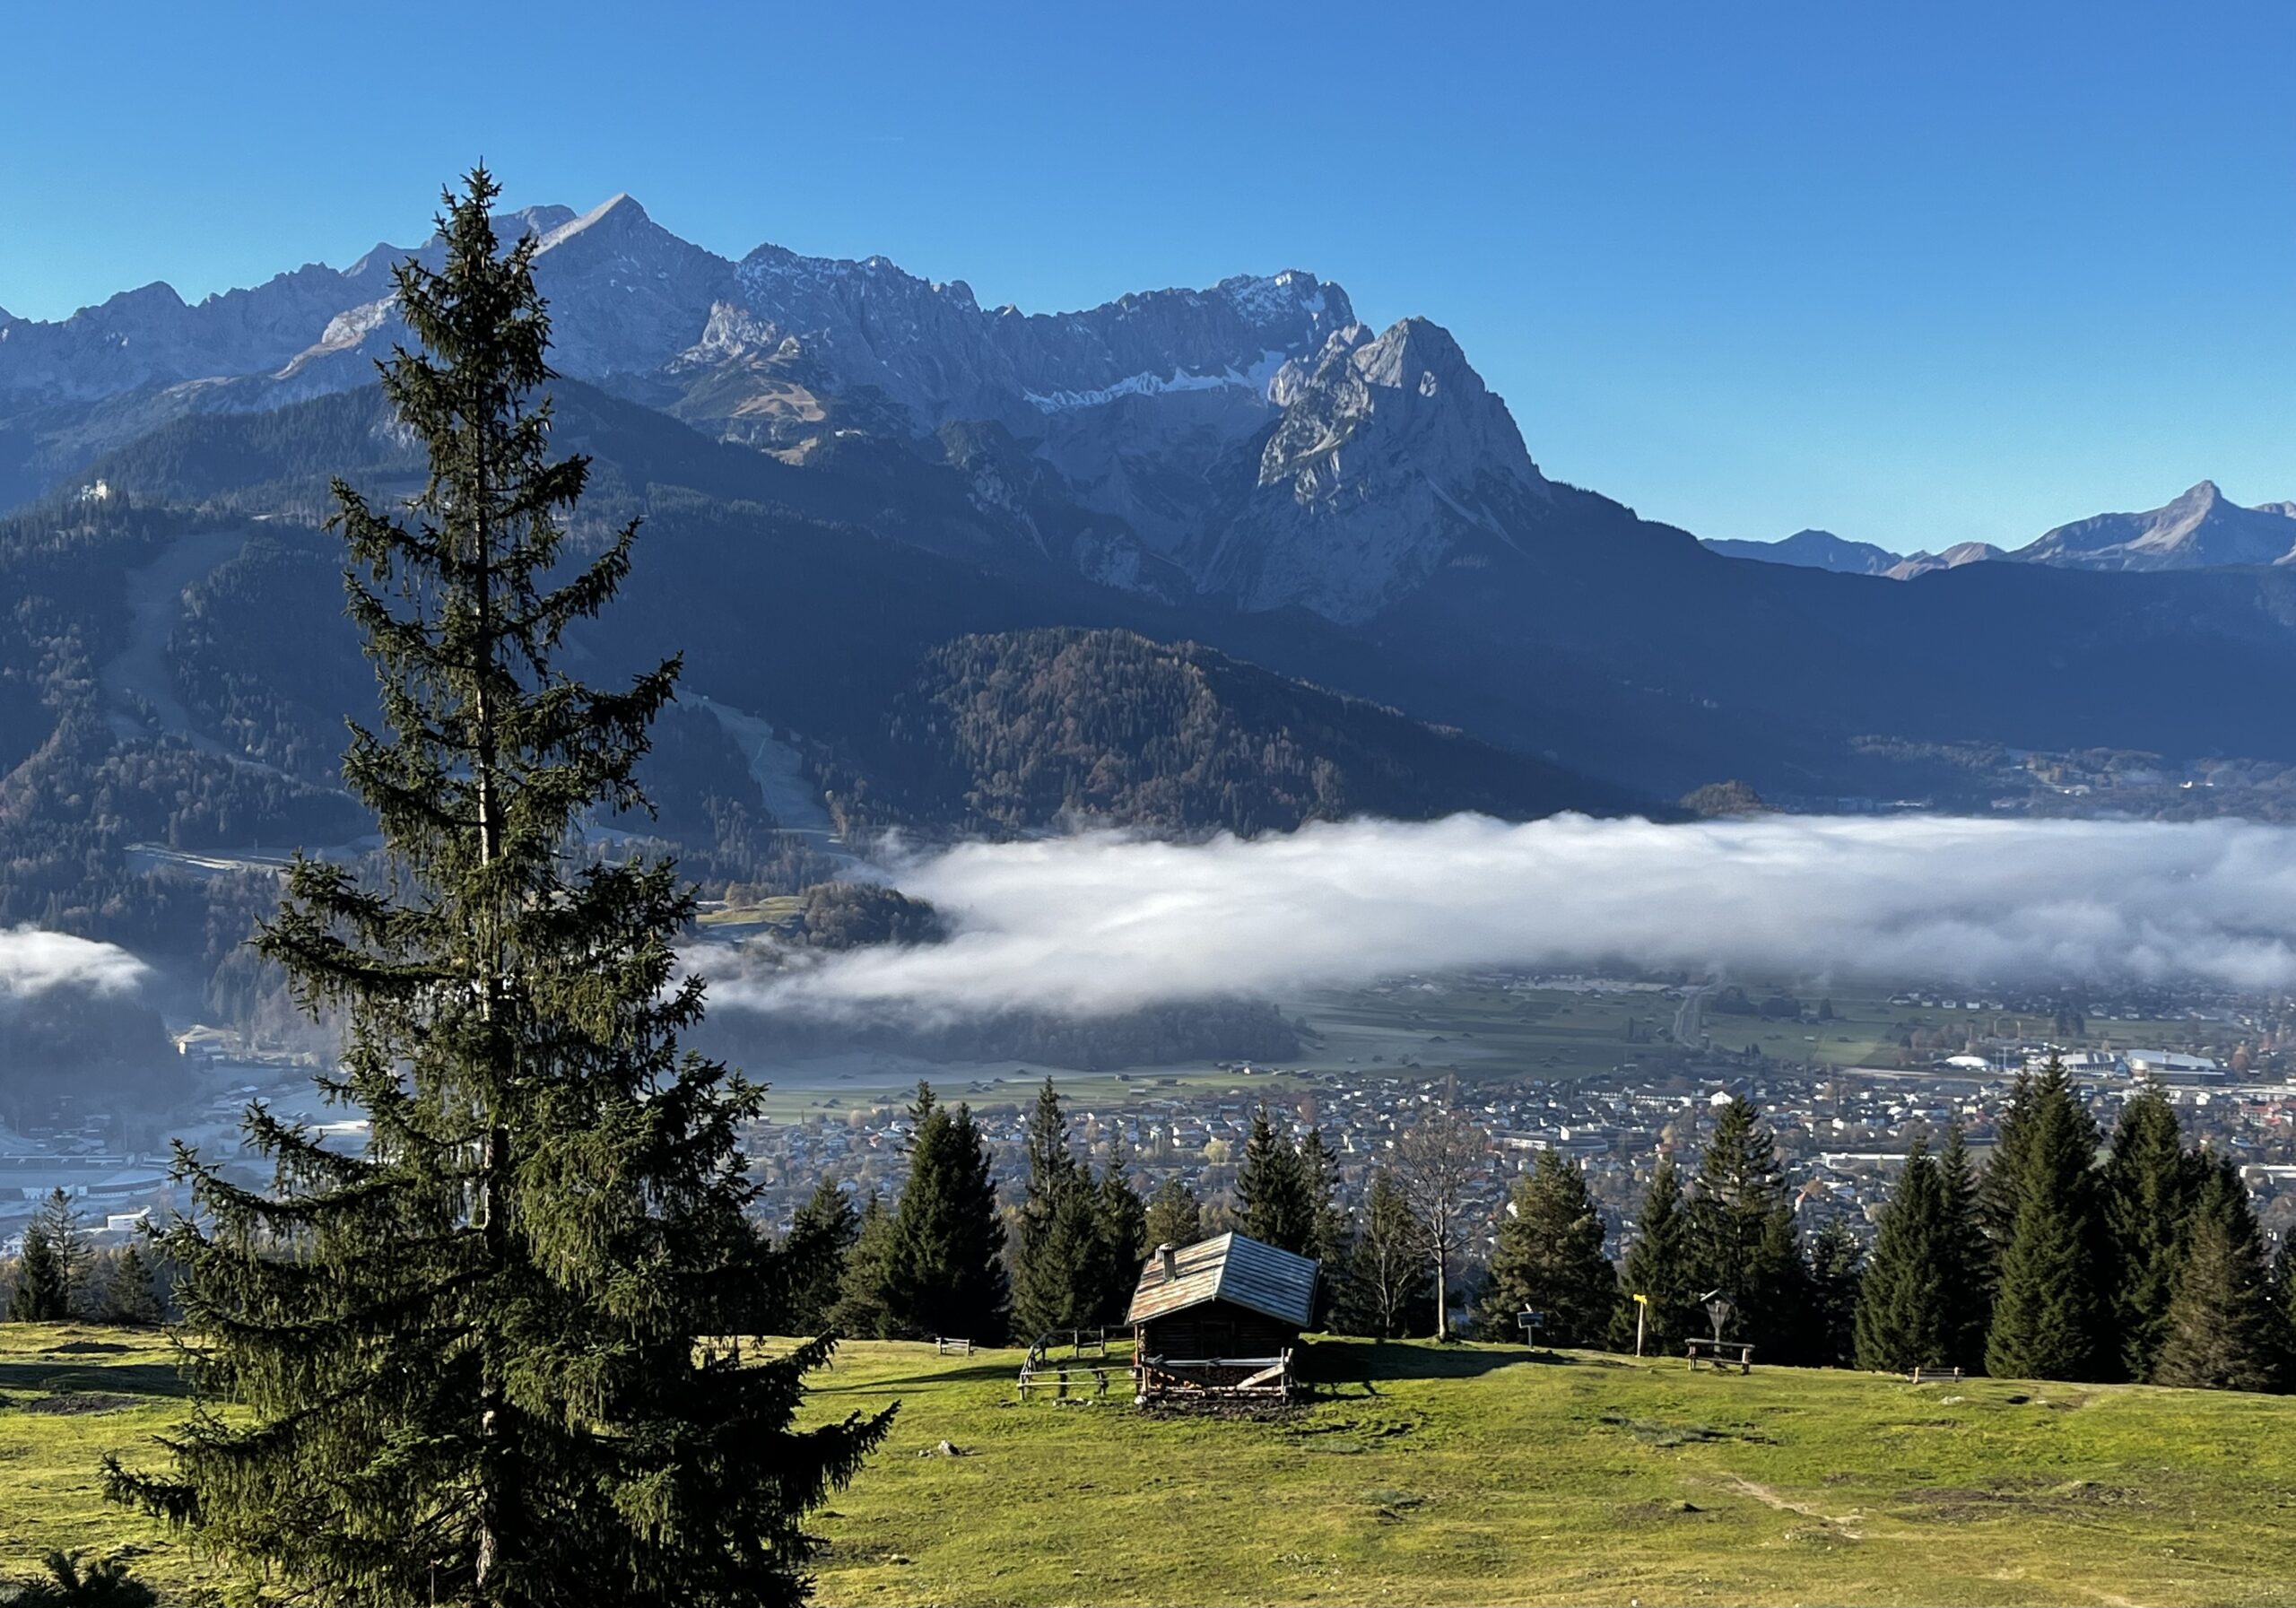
[{"x": 1215, "y": 1329}]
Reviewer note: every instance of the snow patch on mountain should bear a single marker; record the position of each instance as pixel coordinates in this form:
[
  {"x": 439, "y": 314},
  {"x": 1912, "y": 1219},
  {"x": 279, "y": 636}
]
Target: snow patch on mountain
[{"x": 1255, "y": 379}]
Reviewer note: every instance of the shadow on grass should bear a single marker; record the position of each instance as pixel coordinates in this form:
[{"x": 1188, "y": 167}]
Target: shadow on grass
[
  {"x": 126, "y": 1378},
  {"x": 837, "y": 1381},
  {"x": 1380, "y": 1360}
]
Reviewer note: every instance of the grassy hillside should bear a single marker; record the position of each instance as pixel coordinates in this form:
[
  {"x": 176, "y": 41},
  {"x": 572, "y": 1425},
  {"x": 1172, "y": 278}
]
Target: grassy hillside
[{"x": 1467, "y": 1475}]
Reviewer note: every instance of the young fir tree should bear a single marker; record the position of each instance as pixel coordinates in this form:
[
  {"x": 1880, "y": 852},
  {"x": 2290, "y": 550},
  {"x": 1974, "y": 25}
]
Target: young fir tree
[
  {"x": 130, "y": 1295},
  {"x": 813, "y": 1257},
  {"x": 2223, "y": 1333},
  {"x": 945, "y": 1272},
  {"x": 466, "y": 1365},
  {"x": 1058, "y": 1280},
  {"x": 1968, "y": 1293},
  {"x": 1742, "y": 1235},
  {"x": 57, "y": 1260},
  {"x": 1389, "y": 1290},
  {"x": 2050, "y": 1318},
  {"x": 1549, "y": 1259},
  {"x": 862, "y": 1308},
  {"x": 2149, "y": 1188},
  {"x": 1124, "y": 1235},
  {"x": 1836, "y": 1280},
  {"x": 1174, "y": 1217},
  {"x": 41, "y": 1294},
  {"x": 1658, "y": 1267},
  {"x": 1905, "y": 1319},
  {"x": 1329, "y": 1228},
  {"x": 1272, "y": 1192}
]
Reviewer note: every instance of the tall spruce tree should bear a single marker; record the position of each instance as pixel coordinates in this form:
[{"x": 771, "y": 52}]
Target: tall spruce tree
[
  {"x": 1549, "y": 1259},
  {"x": 1658, "y": 1265},
  {"x": 1273, "y": 1191},
  {"x": 2050, "y": 1315},
  {"x": 2149, "y": 1188},
  {"x": 1905, "y": 1317},
  {"x": 2223, "y": 1333},
  {"x": 1968, "y": 1293},
  {"x": 466, "y": 1365},
  {"x": 1742, "y": 1235},
  {"x": 1058, "y": 1281},
  {"x": 945, "y": 1269}
]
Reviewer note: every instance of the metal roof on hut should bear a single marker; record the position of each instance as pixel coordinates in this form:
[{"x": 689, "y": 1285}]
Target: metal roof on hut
[{"x": 1232, "y": 1268}]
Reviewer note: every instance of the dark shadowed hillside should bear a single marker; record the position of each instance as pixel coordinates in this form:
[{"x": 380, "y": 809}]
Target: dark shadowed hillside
[{"x": 1023, "y": 729}]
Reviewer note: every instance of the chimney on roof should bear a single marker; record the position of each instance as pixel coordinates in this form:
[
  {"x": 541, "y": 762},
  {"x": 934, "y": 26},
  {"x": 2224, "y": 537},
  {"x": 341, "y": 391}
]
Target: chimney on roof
[{"x": 1169, "y": 1255}]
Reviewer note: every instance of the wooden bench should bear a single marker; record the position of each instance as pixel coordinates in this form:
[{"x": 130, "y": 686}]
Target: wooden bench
[
  {"x": 1935, "y": 1375},
  {"x": 1720, "y": 1354},
  {"x": 944, "y": 1347}
]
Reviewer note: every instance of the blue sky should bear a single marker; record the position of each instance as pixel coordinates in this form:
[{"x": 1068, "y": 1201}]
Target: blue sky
[{"x": 1918, "y": 274}]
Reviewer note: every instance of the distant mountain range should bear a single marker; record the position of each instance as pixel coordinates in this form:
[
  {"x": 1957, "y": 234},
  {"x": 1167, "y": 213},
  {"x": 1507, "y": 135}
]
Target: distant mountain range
[
  {"x": 846, "y": 468},
  {"x": 2201, "y": 530}
]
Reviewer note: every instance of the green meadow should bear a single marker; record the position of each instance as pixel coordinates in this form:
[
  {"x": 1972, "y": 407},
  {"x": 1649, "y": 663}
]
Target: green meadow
[{"x": 1419, "y": 1473}]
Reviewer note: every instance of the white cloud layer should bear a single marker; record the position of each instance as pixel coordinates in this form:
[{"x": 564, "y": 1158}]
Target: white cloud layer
[
  {"x": 33, "y": 961},
  {"x": 1102, "y": 922}
]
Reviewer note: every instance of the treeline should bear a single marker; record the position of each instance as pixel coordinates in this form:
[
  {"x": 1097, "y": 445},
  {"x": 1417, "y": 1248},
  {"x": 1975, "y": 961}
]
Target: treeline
[
  {"x": 2046, "y": 1263},
  {"x": 61, "y": 1276}
]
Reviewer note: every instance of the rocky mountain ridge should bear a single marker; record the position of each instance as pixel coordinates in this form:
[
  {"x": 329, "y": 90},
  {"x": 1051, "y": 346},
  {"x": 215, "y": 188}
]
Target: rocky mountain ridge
[{"x": 2201, "y": 529}]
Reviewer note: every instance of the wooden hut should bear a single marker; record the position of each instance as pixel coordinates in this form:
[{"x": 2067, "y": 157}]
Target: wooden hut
[{"x": 1220, "y": 1320}]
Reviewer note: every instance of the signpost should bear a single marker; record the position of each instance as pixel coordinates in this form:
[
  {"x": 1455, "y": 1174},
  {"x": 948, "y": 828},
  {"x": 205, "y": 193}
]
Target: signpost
[
  {"x": 1531, "y": 1320},
  {"x": 1641, "y": 1311}
]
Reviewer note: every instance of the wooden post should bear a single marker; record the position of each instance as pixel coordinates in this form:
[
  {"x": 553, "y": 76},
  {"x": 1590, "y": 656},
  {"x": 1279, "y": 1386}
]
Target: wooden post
[{"x": 1642, "y": 1310}]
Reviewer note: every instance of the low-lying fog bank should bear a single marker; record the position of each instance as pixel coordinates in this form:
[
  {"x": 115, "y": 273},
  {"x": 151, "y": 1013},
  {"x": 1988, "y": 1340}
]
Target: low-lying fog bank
[{"x": 1104, "y": 923}]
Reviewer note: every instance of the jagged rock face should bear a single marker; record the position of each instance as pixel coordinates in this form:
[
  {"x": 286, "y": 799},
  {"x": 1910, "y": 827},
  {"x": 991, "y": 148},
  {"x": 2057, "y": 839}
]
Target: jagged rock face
[
  {"x": 2201, "y": 529},
  {"x": 1392, "y": 461}
]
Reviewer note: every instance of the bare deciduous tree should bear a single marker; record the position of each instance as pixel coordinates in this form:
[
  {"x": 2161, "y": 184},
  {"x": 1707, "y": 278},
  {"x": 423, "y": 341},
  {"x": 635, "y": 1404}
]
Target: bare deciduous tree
[{"x": 1435, "y": 1160}]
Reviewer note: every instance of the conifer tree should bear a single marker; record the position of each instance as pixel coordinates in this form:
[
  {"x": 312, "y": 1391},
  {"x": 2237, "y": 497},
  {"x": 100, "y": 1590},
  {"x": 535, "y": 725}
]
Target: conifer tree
[
  {"x": 1742, "y": 1234},
  {"x": 1124, "y": 1236},
  {"x": 1836, "y": 1280},
  {"x": 1057, "y": 1281},
  {"x": 863, "y": 1307},
  {"x": 1174, "y": 1217},
  {"x": 945, "y": 1274},
  {"x": 465, "y": 1365},
  {"x": 1329, "y": 1228},
  {"x": 2002, "y": 1185},
  {"x": 2048, "y": 1313},
  {"x": 1272, "y": 1190},
  {"x": 1550, "y": 1259},
  {"x": 2150, "y": 1185},
  {"x": 1389, "y": 1289},
  {"x": 1968, "y": 1293},
  {"x": 821, "y": 1238},
  {"x": 129, "y": 1293},
  {"x": 1658, "y": 1265},
  {"x": 2223, "y": 1333},
  {"x": 1905, "y": 1319},
  {"x": 41, "y": 1293}
]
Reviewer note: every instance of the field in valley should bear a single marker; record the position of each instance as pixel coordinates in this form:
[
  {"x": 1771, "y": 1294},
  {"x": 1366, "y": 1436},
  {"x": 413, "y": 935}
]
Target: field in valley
[{"x": 1464, "y": 1474}]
